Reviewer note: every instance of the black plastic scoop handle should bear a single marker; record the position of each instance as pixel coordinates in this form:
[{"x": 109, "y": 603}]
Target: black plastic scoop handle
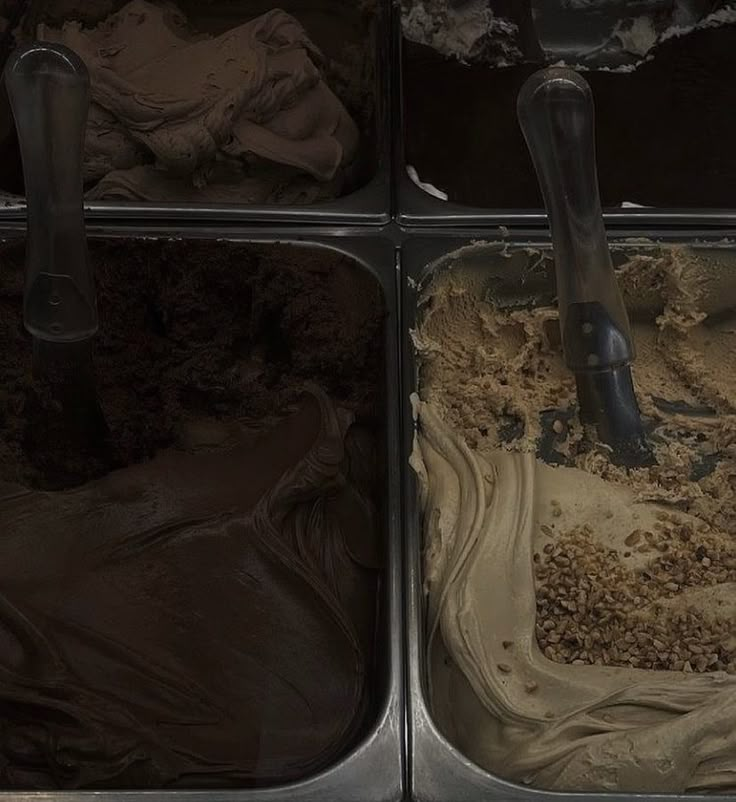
[
  {"x": 48, "y": 86},
  {"x": 555, "y": 109}
]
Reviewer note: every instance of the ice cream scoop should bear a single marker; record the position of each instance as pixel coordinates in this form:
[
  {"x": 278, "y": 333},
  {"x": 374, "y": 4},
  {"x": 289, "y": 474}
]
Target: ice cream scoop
[
  {"x": 555, "y": 109},
  {"x": 48, "y": 87},
  {"x": 49, "y": 90}
]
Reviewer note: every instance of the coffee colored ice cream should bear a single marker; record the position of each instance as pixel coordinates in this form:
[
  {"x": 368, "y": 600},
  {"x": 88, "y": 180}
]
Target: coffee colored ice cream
[
  {"x": 579, "y": 617},
  {"x": 202, "y": 614}
]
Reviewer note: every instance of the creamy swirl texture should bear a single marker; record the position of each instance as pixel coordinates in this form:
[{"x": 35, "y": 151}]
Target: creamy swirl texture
[
  {"x": 201, "y": 619},
  {"x": 244, "y": 116},
  {"x": 492, "y": 509}
]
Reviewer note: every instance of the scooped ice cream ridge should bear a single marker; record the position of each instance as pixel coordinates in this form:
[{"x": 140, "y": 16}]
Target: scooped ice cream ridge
[{"x": 245, "y": 116}]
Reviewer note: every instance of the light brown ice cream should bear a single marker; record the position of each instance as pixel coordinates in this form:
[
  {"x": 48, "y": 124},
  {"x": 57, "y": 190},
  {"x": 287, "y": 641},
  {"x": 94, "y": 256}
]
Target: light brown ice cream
[
  {"x": 580, "y": 619},
  {"x": 245, "y": 116}
]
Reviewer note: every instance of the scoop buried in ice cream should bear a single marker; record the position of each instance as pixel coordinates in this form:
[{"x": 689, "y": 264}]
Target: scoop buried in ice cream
[
  {"x": 245, "y": 116},
  {"x": 555, "y": 110},
  {"x": 48, "y": 87}
]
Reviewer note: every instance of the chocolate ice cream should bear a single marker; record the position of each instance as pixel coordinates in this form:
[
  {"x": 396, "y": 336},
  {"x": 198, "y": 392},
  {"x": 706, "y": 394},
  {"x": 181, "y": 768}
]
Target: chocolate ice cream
[
  {"x": 194, "y": 607},
  {"x": 187, "y": 111}
]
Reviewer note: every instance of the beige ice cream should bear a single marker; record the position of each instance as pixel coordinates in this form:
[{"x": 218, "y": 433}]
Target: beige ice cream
[
  {"x": 579, "y": 618},
  {"x": 245, "y": 116}
]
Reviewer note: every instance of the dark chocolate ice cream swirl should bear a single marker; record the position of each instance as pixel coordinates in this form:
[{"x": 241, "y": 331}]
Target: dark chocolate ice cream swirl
[{"x": 195, "y": 620}]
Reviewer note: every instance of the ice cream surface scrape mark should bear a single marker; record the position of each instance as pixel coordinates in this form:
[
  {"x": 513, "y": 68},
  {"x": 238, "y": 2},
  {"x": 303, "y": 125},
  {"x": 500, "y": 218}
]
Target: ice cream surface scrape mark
[
  {"x": 575, "y": 728},
  {"x": 175, "y": 601}
]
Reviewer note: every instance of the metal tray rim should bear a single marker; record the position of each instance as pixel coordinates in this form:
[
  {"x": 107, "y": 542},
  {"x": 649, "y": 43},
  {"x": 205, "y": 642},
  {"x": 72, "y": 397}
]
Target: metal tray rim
[{"x": 419, "y": 209}]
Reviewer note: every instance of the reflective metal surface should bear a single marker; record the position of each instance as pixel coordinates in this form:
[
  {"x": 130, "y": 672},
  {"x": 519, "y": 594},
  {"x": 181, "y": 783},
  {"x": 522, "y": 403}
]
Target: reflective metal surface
[
  {"x": 374, "y": 770},
  {"x": 438, "y": 772}
]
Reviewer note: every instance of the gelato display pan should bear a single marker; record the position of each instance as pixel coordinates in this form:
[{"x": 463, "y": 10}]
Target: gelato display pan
[
  {"x": 203, "y": 592},
  {"x": 569, "y": 621},
  {"x": 663, "y": 130},
  {"x": 262, "y": 114}
]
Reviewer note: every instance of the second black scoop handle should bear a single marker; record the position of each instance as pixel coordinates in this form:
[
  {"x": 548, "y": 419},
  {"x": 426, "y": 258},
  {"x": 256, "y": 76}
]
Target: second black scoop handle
[
  {"x": 555, "y": 109},
  {"x": 48, "y": 87},
  {"x": 556, "y": 114}
]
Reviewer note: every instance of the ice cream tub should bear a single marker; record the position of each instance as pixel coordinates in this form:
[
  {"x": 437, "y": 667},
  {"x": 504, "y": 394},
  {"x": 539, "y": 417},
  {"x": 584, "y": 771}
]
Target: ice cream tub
[
  {"x": 219, "y": 610},
  {"x": 498, "y": 708},
  {"x": 259, "y": 115},
  {"x": 461, "y": 158}
]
